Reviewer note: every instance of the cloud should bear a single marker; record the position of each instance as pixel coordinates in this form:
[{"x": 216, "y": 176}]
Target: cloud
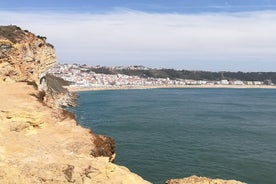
[{"x": 210, "y": 41}]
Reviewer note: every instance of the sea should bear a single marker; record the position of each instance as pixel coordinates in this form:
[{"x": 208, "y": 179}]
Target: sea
[{"x": 175, "y": 133}]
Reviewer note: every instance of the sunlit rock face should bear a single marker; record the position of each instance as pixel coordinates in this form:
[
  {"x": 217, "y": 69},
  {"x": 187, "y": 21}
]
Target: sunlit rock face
[{"x": 23, "y": 55}]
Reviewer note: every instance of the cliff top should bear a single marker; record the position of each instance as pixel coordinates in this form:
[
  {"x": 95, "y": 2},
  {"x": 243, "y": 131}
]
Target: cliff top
[
  {"x": 12, "y": 33},
  {"x": 23, "y": 55},
  {"x": 41, "y": 145}
]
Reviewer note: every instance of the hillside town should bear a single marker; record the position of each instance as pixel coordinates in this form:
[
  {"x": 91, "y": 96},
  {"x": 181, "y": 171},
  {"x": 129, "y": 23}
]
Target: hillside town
[{"x": 83, "y": 77}]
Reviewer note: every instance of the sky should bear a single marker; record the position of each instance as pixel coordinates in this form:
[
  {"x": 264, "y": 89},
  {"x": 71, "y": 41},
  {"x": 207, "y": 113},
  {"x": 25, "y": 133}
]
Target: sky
[{"x": 213, "y": 35}]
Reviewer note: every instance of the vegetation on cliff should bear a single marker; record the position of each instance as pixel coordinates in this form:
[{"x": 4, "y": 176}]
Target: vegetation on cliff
[{"x": 54, "y": 89}]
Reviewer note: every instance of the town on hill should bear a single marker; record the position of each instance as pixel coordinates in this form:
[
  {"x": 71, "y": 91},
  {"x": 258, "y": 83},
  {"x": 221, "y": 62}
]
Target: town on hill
[{"x": 135, "y": 76}]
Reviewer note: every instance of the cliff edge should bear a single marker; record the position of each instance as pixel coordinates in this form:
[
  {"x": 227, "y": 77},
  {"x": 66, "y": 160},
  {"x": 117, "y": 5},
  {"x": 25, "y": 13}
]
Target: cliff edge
[
  {"x": 39, "y": 141},
  {"x": 37, "y": 145}
]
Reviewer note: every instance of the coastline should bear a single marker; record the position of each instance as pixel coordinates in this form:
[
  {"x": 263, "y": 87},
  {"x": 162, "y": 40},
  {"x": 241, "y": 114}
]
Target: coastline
[
  {"x": 102, "y": 88},
  {"x": 41, "y": 143}
]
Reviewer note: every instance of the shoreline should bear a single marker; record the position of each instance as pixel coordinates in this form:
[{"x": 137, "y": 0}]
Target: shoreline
[{"x": 103, "y": 88}]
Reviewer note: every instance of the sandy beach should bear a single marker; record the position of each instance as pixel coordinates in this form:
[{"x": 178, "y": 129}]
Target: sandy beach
[{"x": 78, "y": 89}]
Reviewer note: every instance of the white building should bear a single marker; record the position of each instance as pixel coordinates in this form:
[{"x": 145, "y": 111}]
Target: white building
[{"x": 224, "y": 82}]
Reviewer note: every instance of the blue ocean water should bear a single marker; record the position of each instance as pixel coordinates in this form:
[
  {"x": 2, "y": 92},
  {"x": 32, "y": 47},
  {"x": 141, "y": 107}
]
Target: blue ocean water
[{"x": 175, "y": 133}]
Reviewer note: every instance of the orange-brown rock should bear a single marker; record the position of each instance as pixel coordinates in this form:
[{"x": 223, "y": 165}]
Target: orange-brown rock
[
  {"x": 23, "y": 56},
  {"x": 201, "y": 180}
]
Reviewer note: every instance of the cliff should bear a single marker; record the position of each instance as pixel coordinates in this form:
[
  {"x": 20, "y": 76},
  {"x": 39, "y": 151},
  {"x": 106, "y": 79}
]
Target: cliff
[
  {"x": 23, "y": 56},
  {"x": 39, "y": 141},
  {"x": 40, "y": 145}
]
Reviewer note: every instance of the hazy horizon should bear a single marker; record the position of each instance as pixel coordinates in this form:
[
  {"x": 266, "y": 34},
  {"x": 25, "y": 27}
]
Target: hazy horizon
[{"x": 208, "y": 35}]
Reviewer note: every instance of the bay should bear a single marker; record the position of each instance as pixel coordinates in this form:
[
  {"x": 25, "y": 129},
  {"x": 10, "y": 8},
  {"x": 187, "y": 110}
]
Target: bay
[{"x": 175, "y": 133}]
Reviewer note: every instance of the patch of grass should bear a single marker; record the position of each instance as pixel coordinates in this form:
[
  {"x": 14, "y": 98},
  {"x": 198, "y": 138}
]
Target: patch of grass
[{"x": 12, "y": 32}]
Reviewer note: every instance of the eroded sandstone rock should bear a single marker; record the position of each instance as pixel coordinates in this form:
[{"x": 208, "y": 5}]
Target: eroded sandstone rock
[
  {"x": 39, "y": 141},
  {"x": 24, "y": 56},
  {"x": 38, "y": 146},
  {"x": 201, "y": 180}
]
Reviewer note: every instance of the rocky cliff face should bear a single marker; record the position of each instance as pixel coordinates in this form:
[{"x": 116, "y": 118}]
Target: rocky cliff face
[
  {"x": 26, "y": 57},
  {"x": 40, "y": 145},
  {"x": 39, "y": 141},
  {"x": 23, "y": 56}
]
